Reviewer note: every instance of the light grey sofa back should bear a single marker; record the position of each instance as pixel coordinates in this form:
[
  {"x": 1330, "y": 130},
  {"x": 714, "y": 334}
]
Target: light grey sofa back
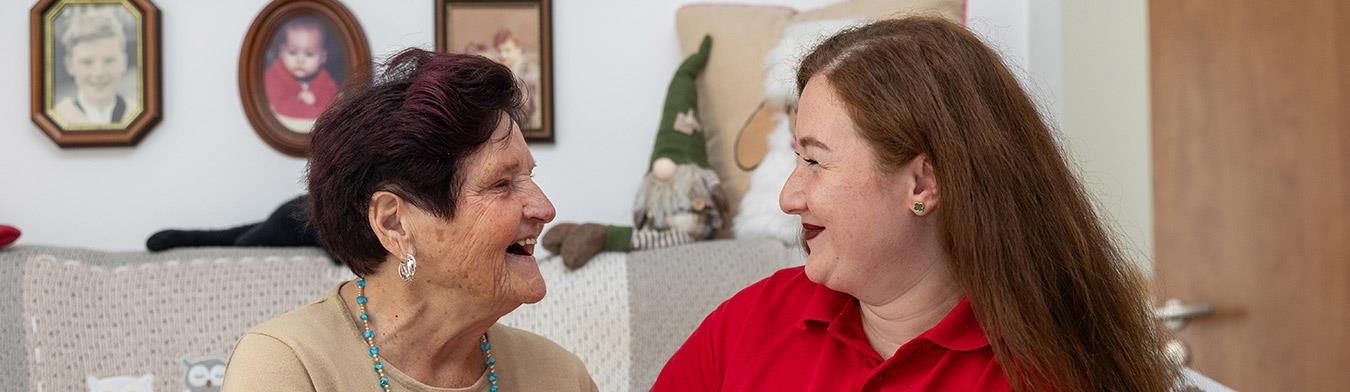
[
  {"x": 673, "y": 289},
  {"x": 71, "y": 314}
]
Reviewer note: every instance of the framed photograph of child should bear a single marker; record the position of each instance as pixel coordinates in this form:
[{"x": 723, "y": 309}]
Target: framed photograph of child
[
  {"x": 295, "y": 59},
  {"x": 94, "y": 70},
  {"x": 515, "y": 33}
]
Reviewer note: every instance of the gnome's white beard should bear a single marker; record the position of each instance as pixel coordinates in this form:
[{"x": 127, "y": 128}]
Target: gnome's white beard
[{"x": 691, "y": 202}]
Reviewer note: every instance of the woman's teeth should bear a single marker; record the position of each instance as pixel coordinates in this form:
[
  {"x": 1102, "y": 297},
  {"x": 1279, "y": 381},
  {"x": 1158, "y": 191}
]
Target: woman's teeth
[{"x": 524, "y": 247}]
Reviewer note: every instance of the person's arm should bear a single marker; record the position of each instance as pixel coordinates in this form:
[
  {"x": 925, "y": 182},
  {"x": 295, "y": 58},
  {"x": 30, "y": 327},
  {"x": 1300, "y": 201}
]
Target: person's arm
[
  {"x": 697, "y": 365},
  {"x": 263, "y": 363}
]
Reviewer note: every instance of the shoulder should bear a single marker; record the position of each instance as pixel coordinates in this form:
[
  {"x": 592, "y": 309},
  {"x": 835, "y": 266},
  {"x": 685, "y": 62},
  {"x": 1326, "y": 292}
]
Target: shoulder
[
  {"x": 314, "y": 330},
  {"x": 280, "y": 351},
  {"x": 537, "y": 360},
  {"x": 519, "y": 341},
  {"x": 774, "y": 303},
  {"x": 66, "y": 109},
  {"x": 323, "y": 314},
  {"x": 324, "y": 74},
  {"x": 130, "y": 104},
  {"x": 262, "y": 362},
  {"x": 784, "y": 290}
]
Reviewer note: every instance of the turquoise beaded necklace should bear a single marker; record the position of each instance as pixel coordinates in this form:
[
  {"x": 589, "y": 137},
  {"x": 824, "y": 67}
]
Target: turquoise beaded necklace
[{"x": 369, "y": 336}]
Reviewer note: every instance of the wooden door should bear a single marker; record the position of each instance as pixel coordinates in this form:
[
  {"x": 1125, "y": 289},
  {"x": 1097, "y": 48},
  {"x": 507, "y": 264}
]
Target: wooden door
[{"x": 1251, "y": 167}]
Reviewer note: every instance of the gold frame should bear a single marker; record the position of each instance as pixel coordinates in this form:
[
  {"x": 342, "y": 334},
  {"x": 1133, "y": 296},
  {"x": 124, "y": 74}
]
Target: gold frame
[{"x": 546, "y": 132}]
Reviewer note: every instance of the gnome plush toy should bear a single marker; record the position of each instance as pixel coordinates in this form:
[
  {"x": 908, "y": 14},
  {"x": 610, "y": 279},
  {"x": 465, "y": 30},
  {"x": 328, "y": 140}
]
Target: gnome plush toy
[{"x": 680, "y": 200}]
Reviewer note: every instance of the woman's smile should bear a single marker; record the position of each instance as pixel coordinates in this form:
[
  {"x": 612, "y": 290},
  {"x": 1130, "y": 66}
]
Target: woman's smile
[{"x": 810, "y": 231}]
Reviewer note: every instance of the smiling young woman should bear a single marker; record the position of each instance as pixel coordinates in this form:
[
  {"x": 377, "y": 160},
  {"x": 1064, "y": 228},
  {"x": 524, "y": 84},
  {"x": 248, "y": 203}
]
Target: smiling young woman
[{"x": 950, "y": 245}]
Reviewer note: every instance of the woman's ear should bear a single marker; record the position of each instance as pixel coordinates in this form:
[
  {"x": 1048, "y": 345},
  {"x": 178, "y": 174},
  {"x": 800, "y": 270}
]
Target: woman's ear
[
  {"x": 388, "y": 218},
  {"x": 925, "y": 196}
]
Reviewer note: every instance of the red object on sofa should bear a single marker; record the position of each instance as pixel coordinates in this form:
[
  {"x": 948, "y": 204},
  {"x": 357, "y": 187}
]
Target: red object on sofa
[{"x": 7, "y": 235}]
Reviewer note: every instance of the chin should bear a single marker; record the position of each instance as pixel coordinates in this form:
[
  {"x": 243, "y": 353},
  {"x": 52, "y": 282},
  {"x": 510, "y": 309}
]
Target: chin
[
  {"x": 534, "y": 297},
  {"x": 820, "y": 271},
  {"x": 815, "y": 271},
  {"x": 99, "y": 93},
  {"x": 529, "y": 282}
]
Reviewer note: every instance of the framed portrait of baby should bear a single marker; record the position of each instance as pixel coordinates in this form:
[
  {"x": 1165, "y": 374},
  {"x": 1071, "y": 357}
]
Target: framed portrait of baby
[
  {"x": 94, "y": 70},
  {"x": 515, "y": 33},
  {"x": 295, "y": 59}
]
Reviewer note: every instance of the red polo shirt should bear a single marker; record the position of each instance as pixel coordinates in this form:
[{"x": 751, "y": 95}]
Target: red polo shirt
[{"x": 786, "y": 333}]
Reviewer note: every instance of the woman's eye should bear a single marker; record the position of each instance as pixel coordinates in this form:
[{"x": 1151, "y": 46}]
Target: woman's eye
[
  {"x": 808, "y": 161},
  {"x": 502, "y": 184}
]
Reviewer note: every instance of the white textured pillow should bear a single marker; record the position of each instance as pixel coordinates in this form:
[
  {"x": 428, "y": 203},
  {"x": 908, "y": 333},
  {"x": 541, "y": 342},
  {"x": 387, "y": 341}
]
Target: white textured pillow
[
  {"x": 781, "y": 63},
  {"x": 759, "y": 215}
]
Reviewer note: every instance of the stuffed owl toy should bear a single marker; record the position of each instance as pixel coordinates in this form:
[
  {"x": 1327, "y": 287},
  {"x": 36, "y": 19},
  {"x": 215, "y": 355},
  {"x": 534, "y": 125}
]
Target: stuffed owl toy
[
  {"x": 203, "y": 375},
  {"x": 680, "y": 199}
]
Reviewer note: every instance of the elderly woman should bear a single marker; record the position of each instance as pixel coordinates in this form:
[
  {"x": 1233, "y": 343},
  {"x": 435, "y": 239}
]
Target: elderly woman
[
  {"x": 422, "y": 185},
  {"x": 950, "y": 246}
]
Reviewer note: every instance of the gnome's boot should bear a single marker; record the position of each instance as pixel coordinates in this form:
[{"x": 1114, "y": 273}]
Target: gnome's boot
[
  {"x": 575, "y": 243},
  {"x": 583, "y": 243},
  {"x": 553, "y": 239}
]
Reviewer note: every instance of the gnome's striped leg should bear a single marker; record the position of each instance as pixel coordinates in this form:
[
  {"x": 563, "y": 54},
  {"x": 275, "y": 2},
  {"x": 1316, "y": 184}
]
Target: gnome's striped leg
[
  {"x": 623, "y": 239},
  {"x": 654, "y": 239}
]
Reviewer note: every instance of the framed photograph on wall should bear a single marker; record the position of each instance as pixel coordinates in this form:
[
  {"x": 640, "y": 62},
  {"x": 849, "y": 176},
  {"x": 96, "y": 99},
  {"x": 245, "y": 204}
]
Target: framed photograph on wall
[
  {"x": 516, "y": 33},
  {"x": 94, "y": 70},
  {"x": 295, "y": 59}
]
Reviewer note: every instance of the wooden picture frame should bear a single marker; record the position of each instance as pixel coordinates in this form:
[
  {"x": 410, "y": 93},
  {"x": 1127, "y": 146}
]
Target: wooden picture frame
[
  {"x": 284, "y": 92},
  {"x": 94, "y": 70},
  {"x": 517, "y": 33}
]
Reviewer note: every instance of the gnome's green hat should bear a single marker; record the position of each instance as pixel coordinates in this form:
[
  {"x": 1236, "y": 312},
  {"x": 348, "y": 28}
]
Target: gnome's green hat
[{"x": 680, "y": 137}]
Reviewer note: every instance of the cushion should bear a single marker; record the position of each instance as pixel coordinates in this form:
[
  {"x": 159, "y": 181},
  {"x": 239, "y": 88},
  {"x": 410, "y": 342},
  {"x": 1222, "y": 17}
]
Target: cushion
[
  {"x": 102, "y": 317},
  {"x": 731, "y": 91},
  {"x": 585, "y": 311},
  {"x": 674, "y": 288}
]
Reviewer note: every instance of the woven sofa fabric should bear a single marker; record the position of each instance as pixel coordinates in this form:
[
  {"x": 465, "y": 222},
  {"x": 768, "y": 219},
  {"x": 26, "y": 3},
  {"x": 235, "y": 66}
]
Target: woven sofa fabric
[
  {"x": 105, "y": 314},
  {"x": 585, "y": 311},
  {"x": 673, "y": 289},
  {"x": 14, "y": 366}
]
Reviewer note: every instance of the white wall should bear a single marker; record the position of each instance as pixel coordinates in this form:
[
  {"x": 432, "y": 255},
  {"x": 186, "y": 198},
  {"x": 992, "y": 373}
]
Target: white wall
[
  {"x": 1106, "y": 113},
  {"x": 204, "y": 167}
]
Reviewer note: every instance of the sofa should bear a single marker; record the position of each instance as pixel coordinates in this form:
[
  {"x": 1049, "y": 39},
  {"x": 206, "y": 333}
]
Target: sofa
[{"x": 75, "y": 318}]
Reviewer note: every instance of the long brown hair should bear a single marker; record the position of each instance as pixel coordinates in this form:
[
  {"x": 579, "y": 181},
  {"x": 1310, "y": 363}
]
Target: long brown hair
[{"x": 1062, "y": 307}]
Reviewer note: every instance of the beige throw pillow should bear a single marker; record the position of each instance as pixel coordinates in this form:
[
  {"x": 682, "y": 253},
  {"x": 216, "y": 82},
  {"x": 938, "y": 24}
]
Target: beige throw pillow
[{"x": 732, "y": 88}]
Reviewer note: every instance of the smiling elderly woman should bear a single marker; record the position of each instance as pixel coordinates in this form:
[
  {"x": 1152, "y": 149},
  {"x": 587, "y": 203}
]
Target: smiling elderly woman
[{"x": 422, "y": 185}]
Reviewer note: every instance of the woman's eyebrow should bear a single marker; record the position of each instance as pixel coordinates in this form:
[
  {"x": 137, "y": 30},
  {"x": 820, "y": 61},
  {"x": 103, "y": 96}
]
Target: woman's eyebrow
[{"x": 809, "y": 141}]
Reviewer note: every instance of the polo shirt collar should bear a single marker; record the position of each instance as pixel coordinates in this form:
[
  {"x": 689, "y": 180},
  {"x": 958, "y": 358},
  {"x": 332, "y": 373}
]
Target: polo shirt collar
[{"x": 958, "y": 330}]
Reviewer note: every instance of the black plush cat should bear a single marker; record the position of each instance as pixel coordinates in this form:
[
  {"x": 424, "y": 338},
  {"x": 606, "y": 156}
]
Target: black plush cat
[{"x": 285, "y": 227}]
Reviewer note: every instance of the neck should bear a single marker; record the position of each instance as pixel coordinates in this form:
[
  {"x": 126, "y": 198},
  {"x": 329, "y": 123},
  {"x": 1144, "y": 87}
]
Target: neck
[
  {"x": 429, "y": 334},
  {"x": 102, "y": 105},
  {"x": 891, "y": 321}
]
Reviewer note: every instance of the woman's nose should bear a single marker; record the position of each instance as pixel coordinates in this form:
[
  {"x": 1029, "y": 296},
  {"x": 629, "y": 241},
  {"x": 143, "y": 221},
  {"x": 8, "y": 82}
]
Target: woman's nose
[
  {"x": 538, "y": 207},
  {"x": 790, "y": 199}
]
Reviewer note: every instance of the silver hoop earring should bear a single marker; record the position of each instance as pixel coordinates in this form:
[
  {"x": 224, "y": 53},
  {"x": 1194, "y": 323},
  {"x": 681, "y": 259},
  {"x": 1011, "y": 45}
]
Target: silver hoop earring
[{"x": 407, "y": 268}]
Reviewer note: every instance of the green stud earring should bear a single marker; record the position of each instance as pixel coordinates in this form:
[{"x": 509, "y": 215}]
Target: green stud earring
[{"x": 918, "y": 207}]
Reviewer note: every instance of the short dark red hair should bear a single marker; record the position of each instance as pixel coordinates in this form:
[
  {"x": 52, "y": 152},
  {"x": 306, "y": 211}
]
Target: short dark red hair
[{"x": 408, "y": 133}]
